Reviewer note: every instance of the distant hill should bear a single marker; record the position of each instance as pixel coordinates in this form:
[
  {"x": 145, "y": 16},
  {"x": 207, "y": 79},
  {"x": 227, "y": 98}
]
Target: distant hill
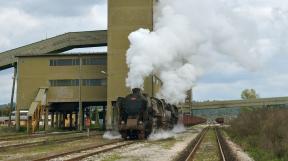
[
  {"x": 214, "y": 113},
  {"x": 5, "y": 105},
  {"x": 2, "y": 106},
  {"x": 226, "y": 112}
]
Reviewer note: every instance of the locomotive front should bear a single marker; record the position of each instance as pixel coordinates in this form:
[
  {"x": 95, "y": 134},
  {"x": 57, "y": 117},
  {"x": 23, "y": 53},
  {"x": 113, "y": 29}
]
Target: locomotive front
[{"x": 134, "y": 118}]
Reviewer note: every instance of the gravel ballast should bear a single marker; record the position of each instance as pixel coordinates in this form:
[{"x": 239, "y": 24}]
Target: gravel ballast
[{"x": 152, "y": 150}]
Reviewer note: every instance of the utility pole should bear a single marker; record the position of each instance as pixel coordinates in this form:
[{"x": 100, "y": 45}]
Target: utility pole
[
  {"x": 80, "y": 112},
  {"x": 12, "y": 95}
]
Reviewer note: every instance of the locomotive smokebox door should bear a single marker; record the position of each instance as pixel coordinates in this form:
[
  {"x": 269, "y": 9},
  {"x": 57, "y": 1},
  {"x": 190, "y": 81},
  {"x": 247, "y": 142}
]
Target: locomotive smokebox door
[{"x": 131, "y": 123}]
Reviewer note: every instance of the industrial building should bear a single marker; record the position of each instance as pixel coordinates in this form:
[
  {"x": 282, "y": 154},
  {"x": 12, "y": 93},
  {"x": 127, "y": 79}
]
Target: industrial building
[
  {"x": 50, "y": 82},
  {"x": 63, "y": 82}
]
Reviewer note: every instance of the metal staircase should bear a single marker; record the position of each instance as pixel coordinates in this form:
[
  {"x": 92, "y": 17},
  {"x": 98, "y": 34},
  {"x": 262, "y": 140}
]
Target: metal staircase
[{"x": 36, "y": 110}]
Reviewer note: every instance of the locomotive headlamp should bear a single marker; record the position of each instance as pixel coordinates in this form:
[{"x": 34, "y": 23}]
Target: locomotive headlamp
[{"x": 122, "y": 122}]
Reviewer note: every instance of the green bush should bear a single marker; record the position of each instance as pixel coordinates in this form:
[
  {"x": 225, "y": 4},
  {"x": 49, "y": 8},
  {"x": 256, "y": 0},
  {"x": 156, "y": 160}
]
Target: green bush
[{"x": 263, "y": 132}]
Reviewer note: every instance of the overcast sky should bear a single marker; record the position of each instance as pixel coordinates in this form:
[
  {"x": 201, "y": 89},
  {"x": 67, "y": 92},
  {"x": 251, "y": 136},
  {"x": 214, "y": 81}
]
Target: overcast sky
[{"x": 27, "y": 21}]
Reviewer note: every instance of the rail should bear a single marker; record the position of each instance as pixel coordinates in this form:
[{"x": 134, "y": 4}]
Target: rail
[
  {"x": 219, "y": 143},
  {"x": 86, "y": 152},
  {"x": 38, "y": 135},
  {"x": 44, "y": 142},
  {"x": 199, "y": 140}
]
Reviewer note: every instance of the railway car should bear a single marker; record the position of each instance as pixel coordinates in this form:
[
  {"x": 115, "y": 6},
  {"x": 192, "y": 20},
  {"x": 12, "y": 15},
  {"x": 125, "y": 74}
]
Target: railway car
[
  {"x": 140, "y": 114},
  {"x": 220, "y": 120},
  {"x": 189, "y": 120}
]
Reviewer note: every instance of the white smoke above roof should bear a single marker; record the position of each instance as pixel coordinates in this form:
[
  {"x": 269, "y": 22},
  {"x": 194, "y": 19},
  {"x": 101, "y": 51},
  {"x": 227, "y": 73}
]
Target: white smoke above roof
[{"x": 191, "y": 36}]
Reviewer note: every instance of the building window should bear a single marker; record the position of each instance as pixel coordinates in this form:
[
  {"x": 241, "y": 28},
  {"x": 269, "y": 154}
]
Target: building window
[
  {"x": 94, "y": 61},
  {"x": 94, "y": 82},
  {"x": 157, "y": 81},
  {"x": 64, "y": 62},
  {"x": 64, "y": 82}
]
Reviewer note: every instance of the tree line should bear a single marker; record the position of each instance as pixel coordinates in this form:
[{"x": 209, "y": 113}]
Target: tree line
[{"x": 5, "y": 109}]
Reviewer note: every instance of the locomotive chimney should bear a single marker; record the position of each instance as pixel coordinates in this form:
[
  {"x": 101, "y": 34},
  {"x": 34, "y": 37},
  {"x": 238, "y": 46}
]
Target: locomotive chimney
[{"x": 136, "y": 90}]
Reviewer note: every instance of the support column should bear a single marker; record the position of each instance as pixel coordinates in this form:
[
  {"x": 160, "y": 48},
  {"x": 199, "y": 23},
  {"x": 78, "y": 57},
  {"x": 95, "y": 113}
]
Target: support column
[
  {"x": 57, "y": 119},
  {"x": 64, "y": 119},
  {"x": 12, "y": 96},
  {"x": 83, "y": 117},
  {"x": 80, "y": 112},
  {"x": 17, "y": 119},
  {"x": 115, "y": 118},
  {"x": 108, "y": 116},
  {"x": 46, "y": 118},
  {"x": 61, "y": 120},
  {"x": 113, "y": 115},
  {"x": 76, "y": 120},
  {"x": 80, "y": 117},
  {"x": 52, "y": 119},
  {"x": 104, "y": 118},
  {"x": 70, "y": 120},
  {"x": 97, "y": 124},
  {"x": 29, "y": 123}
]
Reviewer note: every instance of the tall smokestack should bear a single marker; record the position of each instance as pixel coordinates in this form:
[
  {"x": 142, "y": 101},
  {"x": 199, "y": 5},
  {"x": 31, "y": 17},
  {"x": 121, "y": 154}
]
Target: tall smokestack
[
  {"x": 136, "y": 90},
  {"x": 188, "y": 98}
]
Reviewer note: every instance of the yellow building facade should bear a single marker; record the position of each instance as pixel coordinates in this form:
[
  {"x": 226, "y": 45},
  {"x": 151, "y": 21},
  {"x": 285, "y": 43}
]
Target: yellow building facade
[
  {"x": 61, "y": 75},
  {"x": 70, "y": 80}
]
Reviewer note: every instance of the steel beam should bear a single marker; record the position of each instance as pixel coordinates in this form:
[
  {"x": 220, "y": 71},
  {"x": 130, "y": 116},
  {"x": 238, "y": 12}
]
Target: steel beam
[
  {"x": 239, "y": 103},
  {"x": 55, "y": 44},
  {"x": 12, "y": 95}
]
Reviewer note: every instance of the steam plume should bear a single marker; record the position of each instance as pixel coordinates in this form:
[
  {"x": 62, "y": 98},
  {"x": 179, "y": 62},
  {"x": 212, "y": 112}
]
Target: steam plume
[{"x": 191, "y": 36}]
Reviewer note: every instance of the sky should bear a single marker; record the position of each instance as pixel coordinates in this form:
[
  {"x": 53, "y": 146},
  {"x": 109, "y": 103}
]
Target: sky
[{"x": 27, "y": 21}]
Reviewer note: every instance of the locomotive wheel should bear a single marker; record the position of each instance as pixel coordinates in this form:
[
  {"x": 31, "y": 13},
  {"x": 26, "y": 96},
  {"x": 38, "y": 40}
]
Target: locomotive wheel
[
  {"x": 141, "y": 135},
  {"x": 124, "y": 135},
  {"x": 147, "y": 133}
]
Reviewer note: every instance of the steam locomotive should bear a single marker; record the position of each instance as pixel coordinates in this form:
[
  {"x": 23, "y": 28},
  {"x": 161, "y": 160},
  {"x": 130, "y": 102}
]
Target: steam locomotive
[{"x": 140, "y": 114}]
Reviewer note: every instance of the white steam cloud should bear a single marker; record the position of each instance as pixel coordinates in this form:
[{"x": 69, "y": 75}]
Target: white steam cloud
[
  {"x": 161, "y": 134},
  {"x": 112, "y": 135},
  {"x": 191, "y": 36}
]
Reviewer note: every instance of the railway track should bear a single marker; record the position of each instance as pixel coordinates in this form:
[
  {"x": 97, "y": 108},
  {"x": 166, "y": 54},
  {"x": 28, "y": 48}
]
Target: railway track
[
  {"x": 45, "y": 142},
  {"x": 38, "y": 135},
  {"x": 3, "y": 137},
  {"x": 79, "y": 154},
  {"x": 209, "y": 147}
]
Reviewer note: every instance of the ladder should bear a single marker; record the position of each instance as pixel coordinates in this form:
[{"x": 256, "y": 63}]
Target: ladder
[{"x": 36, "y": 110}]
